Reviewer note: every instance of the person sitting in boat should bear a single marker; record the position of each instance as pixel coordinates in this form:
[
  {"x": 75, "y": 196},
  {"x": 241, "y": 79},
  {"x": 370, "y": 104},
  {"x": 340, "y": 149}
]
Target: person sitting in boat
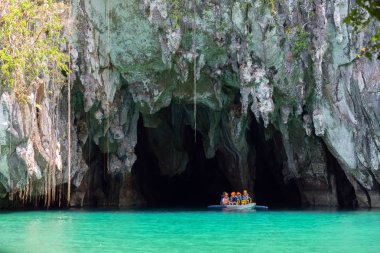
[
  {"x": 222, "y": 198},
  {"x": 246, "y": 199},
  {"x": 238, "y": 198},
  {"x": 233, "y": 199},
  {"x": 225, "y": 200}
]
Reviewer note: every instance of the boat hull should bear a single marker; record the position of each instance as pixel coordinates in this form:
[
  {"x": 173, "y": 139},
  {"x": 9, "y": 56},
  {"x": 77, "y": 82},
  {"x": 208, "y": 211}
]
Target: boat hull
[{"x": 234, "y": 207}]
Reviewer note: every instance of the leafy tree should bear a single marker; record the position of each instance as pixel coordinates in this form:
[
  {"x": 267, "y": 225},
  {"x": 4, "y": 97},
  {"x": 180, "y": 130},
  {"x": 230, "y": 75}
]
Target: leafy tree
[
  {"x": 365, "y": 13},
  {"x": 30, "y": 41}
]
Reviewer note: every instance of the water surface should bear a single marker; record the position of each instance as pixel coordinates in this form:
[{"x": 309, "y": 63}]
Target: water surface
[{"x": 189, "y": 231}]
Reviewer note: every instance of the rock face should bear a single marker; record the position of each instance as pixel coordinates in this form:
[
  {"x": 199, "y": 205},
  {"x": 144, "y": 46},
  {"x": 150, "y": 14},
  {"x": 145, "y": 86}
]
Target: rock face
[{"x": 280, "y": 99}]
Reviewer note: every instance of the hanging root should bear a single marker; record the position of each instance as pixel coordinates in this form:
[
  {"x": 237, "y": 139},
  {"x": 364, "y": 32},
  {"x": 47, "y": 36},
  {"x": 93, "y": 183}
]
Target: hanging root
[
  {"x": 69, "y": 128},
  {"x": 195, "y": 73}
]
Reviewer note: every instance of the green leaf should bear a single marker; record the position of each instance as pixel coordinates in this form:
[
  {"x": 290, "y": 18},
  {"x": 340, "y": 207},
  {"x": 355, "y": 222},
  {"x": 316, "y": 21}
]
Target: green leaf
[{"x": 33, "y": 48}]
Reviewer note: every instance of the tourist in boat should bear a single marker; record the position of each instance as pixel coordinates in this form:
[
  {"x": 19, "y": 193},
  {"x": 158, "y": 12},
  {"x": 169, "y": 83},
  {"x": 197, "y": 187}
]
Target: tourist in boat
[
  {"x": 238, "y": 198},
  {"x": 225, "y": 200},
  {"x": 246, "y": 199},
  {"x": 222, "y": 198},
  {"x": 233, "y": 199}
]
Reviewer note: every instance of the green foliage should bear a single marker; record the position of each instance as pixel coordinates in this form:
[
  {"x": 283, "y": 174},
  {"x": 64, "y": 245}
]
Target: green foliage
[
  {"x": 361, "y": 16},
  {"x": 300, "y": 41},
  {"x": 30, "y": 39},
  {"x": 176, "y": 11}
]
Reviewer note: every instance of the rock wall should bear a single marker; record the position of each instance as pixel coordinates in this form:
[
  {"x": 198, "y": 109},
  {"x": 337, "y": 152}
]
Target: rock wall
[{"x": 289, "y": 65}]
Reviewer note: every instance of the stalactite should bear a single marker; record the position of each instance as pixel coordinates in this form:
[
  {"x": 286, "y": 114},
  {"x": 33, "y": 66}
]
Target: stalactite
[
  {"x": 53, "y": 194},
  {"x": 60, "y": 191},
  {"x": 48, "y": 187},
  {"x": 20, "y": 194},
  {"x": 24, "y": 193},
  {"x": 45, "y": 188},
  {"x": 30, "y": 190}
]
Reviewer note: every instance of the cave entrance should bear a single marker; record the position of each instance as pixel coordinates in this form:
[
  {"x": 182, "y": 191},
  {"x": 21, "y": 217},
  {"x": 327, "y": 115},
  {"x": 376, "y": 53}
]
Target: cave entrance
[
  {"x": 199, "y": 185},
  {"x": 203, "y": 180},
  {"x": 269, "y": 187}
]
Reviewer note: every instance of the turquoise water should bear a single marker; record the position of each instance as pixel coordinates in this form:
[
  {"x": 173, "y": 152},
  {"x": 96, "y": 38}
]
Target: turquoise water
[{"x": 189, "y": 231}]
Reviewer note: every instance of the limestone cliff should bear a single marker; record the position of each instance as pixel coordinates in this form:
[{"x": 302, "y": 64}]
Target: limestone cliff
[{"x": 274, "y": 79}]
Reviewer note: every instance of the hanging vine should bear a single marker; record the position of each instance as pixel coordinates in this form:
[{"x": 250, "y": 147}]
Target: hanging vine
[
  {"x": 108, "y": 16},
  {"x": 195, "y": 70},
  {"x": 69, "y": 123}
]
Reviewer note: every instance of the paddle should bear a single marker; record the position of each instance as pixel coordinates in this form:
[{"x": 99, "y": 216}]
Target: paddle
[{"x": 261, "y": 207}]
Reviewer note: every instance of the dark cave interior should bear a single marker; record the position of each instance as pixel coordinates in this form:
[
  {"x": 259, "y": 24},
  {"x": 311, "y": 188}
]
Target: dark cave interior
[
  {"x": 204, "y": 180},
  {"x": 269, "y": 187},
  {"x": 345, "y": 191},
  {"x": 199, "y": 185}
]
